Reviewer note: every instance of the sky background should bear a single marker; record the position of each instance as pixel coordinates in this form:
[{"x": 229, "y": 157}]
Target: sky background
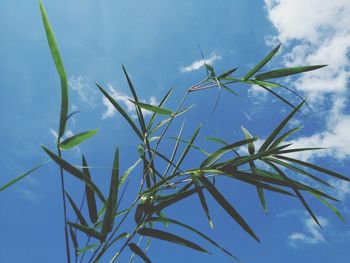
[{"x": 157, "y": 42}]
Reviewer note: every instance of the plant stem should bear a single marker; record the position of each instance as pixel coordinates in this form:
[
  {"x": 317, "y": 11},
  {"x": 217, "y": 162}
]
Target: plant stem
[{"x": 64, "y": 206}]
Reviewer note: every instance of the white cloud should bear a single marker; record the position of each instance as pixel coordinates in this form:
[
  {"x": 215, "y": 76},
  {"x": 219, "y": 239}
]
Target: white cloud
[
  {"x": 320, "y": 33},
  {"x": 124, "y": 99},
  {"x": 312, "y": 234},
  {"x": 200, "y": 63},
  {"x": 85, "y": 92}
]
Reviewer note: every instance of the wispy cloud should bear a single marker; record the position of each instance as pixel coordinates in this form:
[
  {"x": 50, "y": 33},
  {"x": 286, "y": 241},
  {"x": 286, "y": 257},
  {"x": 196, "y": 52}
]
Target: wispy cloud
[
  {"x": 124, "y": 99},
  {"x": 320, "y": 29},
  {"x": 30, "y": 196},
  {"x": 200, "y": 63},
  {"x": 312, "y": 234},
  {"x": 85, "y": 92}
]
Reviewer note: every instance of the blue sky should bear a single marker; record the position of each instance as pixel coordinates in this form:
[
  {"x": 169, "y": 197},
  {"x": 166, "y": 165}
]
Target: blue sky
[{"x": 157, "y": 42}]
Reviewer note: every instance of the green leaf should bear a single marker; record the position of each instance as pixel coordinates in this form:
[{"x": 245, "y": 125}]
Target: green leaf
[
  {"x": 192, "y": 145},
  {"x": 167, "y": 95},
  {"x": 76, "y": 211},
  {"x": 172, "y": 221},
  {"x": 75, "y": 172},
  {"x": 174, "y": 199},
  {"x": 251, "y": 147},
  {"x": 330, "y": 206},
  {"x": 227, "y": 206},
  {"x": 77, "y": 139},
  {"x": 134, "y": 94},
  {"x": 152, "y": 108},
  {"x": 59, "y": 67},
  {"x": 217, "y": 154},
  {"x": 262, "y": 63},
  {"x": 300, "y": 196},
  {"x": 149, "y": 232},
  {"x": 88, "y": 231},
  {"x": 315, "y": 167},
  {"x": 285, "y": 136},
  {"x": 74, "y": 240},
  {"x": 227, "y": 73},
  {"x": 279, "y": 128},
  {"x": 127, "y": 172},
  {"x": 22, "y": 176},
  {"x": 135, "y": 249},
  {"x": 87, "y": 248},
  {"x": 188, "y": 147},
  {"x": 121, "y": 111},
  {"x": 90, "y": 196},
  {"x": 286, "y": 72},
  {"x": 111, "y": 207}
]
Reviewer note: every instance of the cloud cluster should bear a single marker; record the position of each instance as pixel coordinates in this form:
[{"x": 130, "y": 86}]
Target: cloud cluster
[
  {"x": 318, "y": 32},
  {"x": 200, "y": 63},
  {"x": 312, "y": 234}
]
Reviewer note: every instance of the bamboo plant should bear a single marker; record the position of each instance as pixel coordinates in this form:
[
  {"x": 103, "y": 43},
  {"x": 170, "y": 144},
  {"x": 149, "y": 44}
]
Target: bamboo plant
[{"x": 267, "y": 168}]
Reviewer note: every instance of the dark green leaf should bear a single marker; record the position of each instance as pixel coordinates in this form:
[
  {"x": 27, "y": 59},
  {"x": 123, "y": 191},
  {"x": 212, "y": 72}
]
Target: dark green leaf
[
  {"x": 279, "y": 128},
  {"x": 227, "y": 206},
  {"x": 111, "y": 207},
  {"x": 135, "y": 249},
  {"x": 74, "y": 240},
  {"x": 75, "y": 172},
  {"x": 330, "y": 206},
  {"x": 149, "y": 232},
  {"x": 90, "y": 196},
  {"x": 88, "y": 231},
  {"x": 315, "y": 167},
  {"x": 286, "y": 72},
  {"x": 227, "y": 73},
  {"x": 77, "y": 139},
  {"x": 76, "y": 211},
  {"x": 285, "y": 136}
]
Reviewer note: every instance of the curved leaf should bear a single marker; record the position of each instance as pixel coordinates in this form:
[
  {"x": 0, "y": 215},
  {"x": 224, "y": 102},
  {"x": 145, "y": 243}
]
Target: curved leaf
[
  {"x": 77, "y": 139},
  {"x": 286, "y": 72},
  {"x": 138, "y": 251}
]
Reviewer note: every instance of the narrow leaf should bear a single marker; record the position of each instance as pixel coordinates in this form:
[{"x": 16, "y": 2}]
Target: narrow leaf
[
  {"x": 88, "y": 231},
  {"x": 262, "y": 63},
  {"x": 90, "y": 196},
  {"x": 77, "y": 139},
  {"x": 227, "y": 206},
  {"x": 59, "y": 67},
  {"x": 135, "y": 249},
  {"x": 76, "y": 211},
  {"x": 108, "y": 220},
  {"x": 149, "y": 232},
  {"x": 153, "y": 108},
  {"x": 286, "y": 72}
]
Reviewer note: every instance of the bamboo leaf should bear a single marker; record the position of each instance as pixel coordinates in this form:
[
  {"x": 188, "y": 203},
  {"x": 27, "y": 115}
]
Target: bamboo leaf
[
  {"x": 251, "y": 147},
  {"x": 77, "y": 139},
  {"x": 90, "y": 196},
  {"x": 22, "y": 176},
  {"x": 88, "y": 231},
  {"x": 135, "y": 249},
  {"x": 217, "y": 154},
  {"x": 108, "y": 220},
  {"x": 74, "y": 240},
  {"x": 286, "y": 72},
  {"x": 87, "y": 248},
  {"x": 121, "y": 111},
  {"x": 227, "y": 206},
  {"x": 279, "y": 128},
  {"x": 127, "y": 172},
  {"x": 227, "y": 73},
  {"x": 75, "y": 172},
  {"x": 166, "y": 236},
  {"x": 330, "y": 206},
  {"x": 262, "y": 63},
  {"x": 315, "y": 167},
  {"x": 77, "y": 211},
  {"x": 59, "y": 67},
  {"x": 285, "y": 136},
  {"x": 152, "y": 108}
]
